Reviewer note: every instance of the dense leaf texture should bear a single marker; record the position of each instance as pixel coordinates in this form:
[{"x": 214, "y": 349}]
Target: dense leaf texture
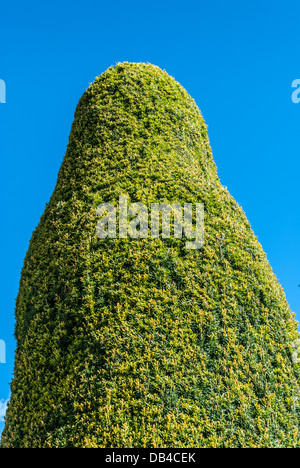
[{"x": 143, "y": 343}]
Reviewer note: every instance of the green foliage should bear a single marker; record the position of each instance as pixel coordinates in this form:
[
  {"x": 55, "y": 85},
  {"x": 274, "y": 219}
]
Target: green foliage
[{"x": 142, "y": 343}]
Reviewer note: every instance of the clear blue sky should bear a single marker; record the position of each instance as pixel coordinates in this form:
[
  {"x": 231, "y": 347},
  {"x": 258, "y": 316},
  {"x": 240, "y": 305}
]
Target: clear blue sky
[{"x": 237, "y": 60}]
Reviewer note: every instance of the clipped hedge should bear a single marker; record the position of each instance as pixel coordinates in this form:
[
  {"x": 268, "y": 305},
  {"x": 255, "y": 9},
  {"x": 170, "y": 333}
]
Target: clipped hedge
[{"x": 143, "y": 343}]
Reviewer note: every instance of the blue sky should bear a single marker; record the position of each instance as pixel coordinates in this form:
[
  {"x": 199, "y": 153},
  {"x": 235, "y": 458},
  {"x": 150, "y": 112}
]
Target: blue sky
[{"x": 238, "y": 61}]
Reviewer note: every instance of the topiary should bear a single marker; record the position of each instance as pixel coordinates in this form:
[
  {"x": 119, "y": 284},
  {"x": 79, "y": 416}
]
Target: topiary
[{"x": 141, "y": 342}]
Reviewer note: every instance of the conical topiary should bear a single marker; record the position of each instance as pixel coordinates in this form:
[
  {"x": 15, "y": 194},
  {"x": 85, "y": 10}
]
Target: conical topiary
[{"x": 126, "y": 342}]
